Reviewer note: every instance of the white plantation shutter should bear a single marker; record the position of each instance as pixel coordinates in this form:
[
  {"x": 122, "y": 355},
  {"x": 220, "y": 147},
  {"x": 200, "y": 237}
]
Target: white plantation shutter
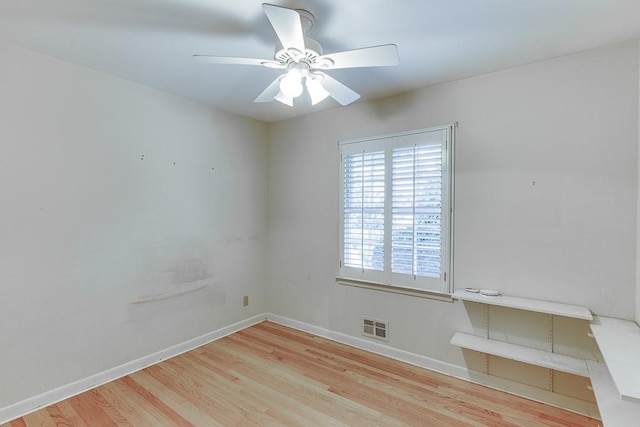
[
  {"x": 396, "y": 209},
  {"x": 416, "y": 210},
  {"x": 364, "y": 175}
]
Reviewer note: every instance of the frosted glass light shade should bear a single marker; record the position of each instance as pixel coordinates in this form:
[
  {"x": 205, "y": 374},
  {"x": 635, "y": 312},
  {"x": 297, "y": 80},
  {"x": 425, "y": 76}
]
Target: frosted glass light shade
[
  {"x": 291, "y": 84},
  {"x": 317, "y": 92},
  {"x": 281, "y": 97}
]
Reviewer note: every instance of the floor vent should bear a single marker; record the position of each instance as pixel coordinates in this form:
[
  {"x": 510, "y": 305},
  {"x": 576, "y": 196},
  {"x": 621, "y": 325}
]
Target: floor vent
[{"x": 373, "y": 328}]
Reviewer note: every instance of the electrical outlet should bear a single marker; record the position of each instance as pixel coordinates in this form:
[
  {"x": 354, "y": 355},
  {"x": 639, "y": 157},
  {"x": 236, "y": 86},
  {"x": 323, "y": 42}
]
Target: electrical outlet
[{"x": 245, "y": 300}]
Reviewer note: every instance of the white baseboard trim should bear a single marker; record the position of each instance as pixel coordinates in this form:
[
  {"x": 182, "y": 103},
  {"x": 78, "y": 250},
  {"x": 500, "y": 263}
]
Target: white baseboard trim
[
  {"x": 56, "y": 395},
  {"x": 508, "y": 386}
]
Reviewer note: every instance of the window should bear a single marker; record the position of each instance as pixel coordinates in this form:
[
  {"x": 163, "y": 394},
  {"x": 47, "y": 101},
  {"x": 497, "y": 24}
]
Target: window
[{"x": 396, "y": 210}]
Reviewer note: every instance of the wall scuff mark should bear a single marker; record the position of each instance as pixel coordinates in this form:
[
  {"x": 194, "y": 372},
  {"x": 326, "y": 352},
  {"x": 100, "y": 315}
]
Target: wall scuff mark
[{"x": 175, "y": 277}]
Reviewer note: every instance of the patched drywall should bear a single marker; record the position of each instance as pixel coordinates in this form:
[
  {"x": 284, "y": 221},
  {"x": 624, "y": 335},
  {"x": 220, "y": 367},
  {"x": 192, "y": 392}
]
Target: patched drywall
[{"x": 131, "y": 221}]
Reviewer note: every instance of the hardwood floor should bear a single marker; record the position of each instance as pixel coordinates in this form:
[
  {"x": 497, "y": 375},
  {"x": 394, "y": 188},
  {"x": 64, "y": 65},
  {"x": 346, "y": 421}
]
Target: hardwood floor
[{"x": 270, "y": 375}]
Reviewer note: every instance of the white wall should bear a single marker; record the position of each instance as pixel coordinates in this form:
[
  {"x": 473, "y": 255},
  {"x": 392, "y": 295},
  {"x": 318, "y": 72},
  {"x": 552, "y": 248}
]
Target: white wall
[
  {"x": 105, "y": 257},
  {"x": 546, "y": 194}
]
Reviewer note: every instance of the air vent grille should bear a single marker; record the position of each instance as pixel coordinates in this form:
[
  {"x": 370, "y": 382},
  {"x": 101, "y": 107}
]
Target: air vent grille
[{"x": 375, "y": 328}]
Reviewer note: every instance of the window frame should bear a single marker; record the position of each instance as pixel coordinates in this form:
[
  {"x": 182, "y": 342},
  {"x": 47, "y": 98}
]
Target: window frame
[{"x": 386, "y": 280}]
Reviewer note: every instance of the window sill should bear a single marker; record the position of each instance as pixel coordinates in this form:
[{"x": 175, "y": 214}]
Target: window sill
[{"x": 421, "y": 293}]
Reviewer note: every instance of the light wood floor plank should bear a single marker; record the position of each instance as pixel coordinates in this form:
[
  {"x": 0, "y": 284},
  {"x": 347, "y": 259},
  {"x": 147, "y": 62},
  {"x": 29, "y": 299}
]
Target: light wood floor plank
[
  {"x": 89, "y": 411},
  {"x": 63, "y": 413},
  {"x": 178, "y": 407},
  {"x": 38, "y": 418},
  {"x": 411, "y": 379},
  {"x": 123, "y": 405},
  {"x": 292, "y": 389},
  {"x": 311, "y": 392},
  {"x": 152, "y": 398},
  {"x": 204, "y": 395},
  {"x": 140, "y": 409},
  {"x": 379, "y": 394},
  {"x": 270, "y": 375}
]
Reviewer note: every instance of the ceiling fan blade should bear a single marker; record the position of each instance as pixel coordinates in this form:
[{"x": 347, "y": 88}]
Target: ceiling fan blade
[
  {"x": 338, "y": 91},
  {"x": 270, "y": 92},
  {"x": 374, "y": 56},
  {"x": 286, "y": 23},
  {"x": 228, "y": 60}
]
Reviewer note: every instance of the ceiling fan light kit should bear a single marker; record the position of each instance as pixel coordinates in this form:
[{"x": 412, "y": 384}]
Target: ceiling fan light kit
[
  {"x": 281, "y": 97},
  {"x": 303, "y": 58},
  {"x": 291, "y": 83},
  {"x": 316, "y": 91}
]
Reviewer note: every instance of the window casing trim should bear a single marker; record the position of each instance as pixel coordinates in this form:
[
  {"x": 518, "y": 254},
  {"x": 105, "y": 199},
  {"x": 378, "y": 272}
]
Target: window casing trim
[
  {"x": 402, "y": 290},
  {"x": 374, "y": 279}
]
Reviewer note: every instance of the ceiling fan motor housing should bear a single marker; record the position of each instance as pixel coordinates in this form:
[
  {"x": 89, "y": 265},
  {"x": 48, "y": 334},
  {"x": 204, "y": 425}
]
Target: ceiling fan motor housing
[
  {"x": 313, "y": 51},
  {"x": 307, "y": 20}
]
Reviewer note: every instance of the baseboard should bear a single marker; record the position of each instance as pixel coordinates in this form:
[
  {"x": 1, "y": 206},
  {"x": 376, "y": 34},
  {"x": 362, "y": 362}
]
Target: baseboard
[
  {"x": 47, "y": 398},
  {"x": 508, "y": 386}
]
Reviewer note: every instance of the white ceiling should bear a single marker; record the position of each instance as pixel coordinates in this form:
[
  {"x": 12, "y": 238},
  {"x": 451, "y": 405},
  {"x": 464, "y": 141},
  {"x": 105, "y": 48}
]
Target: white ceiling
[{"x": 152, "y": 41}]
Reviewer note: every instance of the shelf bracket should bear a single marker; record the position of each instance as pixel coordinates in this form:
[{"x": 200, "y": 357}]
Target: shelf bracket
[
  {"x": 550, "y": 346},
  {"x": 486, "y": 335}
]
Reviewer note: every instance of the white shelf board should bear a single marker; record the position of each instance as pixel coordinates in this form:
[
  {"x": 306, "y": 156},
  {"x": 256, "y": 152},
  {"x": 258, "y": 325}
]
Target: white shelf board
[
  {"x": 614, "y": 411},
  {"x": 619, "y": 343},
  {"x": 547, "y": 307},
  {"x": 546, "y": 359}
]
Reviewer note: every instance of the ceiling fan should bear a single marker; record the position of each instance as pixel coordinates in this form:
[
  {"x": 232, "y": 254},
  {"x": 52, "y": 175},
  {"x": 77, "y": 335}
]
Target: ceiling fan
[{"x": 302, "y": 59}]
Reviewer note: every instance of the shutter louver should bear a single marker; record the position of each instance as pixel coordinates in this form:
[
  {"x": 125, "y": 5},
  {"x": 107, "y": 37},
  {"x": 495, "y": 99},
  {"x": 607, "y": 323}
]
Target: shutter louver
[
  {"x": 364, "y": 207},
  {"x": 416, "y": 210}
]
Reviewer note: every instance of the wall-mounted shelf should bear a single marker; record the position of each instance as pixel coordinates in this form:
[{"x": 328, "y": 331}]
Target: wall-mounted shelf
[
  {"x": 616, "y": 383},
  {"x": 547, "y": 307},
  {"x": 558, "y": 362},
  {"x": 619, "y": 342},
  {"x": 536, "y": 356},
  {"x": 613, "y": 410}
]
